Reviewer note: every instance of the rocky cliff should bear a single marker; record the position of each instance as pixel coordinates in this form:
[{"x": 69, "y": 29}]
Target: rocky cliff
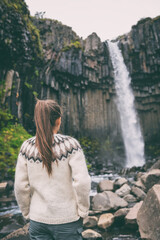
[
  {"x": 141, "y": 51},
  {"x": 78, "y": 74}
]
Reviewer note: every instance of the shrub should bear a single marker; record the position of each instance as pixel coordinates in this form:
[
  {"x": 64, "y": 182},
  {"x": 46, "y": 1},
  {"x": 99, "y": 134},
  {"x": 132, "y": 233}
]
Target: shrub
[{"x": 11, "y": 139}]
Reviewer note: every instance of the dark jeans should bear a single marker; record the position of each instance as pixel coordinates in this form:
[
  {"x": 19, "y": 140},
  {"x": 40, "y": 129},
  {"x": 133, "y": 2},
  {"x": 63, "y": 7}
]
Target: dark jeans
[{"x": 66, "y": 231}]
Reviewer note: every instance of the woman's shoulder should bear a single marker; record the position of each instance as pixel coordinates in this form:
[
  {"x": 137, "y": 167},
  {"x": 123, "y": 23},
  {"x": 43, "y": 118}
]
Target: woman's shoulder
[
  {"x": 65, "y": 138},
  {"x": 27, "y": 142},
  {"x": 65, "y": 145}
]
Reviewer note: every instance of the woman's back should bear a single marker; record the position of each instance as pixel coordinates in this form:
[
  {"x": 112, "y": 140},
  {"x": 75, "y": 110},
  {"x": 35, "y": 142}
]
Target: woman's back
[{"x": 54, "y": 198}]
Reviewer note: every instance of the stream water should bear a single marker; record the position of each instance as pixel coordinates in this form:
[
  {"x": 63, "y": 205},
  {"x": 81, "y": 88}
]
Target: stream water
[
  {"x": 131, "y": 131},
  {"x": 11, "y": 218}
]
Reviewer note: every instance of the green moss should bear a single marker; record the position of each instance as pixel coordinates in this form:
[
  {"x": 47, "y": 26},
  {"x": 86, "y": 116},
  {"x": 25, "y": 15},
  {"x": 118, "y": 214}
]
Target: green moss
[
  {"x": 36, "y": 72},
  {"x": 30, "y": 86},
  {"x": 35, "y": 93},
  {"x": 11, "y": 138},
  {"x": 35, "y": 39},
  {"x": 76, "y": 45}
]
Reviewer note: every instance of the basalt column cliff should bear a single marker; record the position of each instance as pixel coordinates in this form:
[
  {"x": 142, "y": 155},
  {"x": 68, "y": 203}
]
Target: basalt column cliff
[{"x": 79, "y": 75}]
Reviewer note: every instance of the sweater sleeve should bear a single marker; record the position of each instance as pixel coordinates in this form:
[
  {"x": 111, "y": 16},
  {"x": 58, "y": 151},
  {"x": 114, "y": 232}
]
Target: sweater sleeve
[
  {"x": 21, "y": 185},
  {"x": 81, "y": 182}
]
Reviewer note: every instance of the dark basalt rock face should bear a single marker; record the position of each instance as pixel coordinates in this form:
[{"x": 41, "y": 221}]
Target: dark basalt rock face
[
  {"x": 78, "y": 74},
  {"x": 141, "y": 51}
]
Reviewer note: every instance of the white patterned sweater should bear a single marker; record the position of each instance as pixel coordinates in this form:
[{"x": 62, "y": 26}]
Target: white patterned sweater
[{"x": 61, "y": 198}]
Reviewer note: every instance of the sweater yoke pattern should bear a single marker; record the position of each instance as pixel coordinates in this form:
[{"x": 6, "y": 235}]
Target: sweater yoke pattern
[{"x": 63, "y": 146}]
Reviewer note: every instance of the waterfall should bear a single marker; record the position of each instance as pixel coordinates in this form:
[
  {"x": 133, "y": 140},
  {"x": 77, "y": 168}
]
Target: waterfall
[{"x": 131, "y": 131}]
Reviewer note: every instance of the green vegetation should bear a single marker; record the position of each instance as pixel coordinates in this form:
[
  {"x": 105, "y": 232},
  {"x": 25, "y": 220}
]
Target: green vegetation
[
  {"x": 5, "y": 116},
  {"x": 28, "y": 85},
  {"x": 11, "y": 138},
  {"x": 35, "y": 93},
  {"x": 91, "y": 149},
  {"x": 19, "y": 38},
  {"x": 76, "y": 45},
  {"x": 153, "y": 150}
]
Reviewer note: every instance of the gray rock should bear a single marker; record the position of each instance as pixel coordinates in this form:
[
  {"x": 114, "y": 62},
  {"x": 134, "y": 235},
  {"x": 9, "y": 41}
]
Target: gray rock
[
  {"x": 121, "y": 213},
  {"x": 124, "y": 190},
  {"x": 139, "y": 175},
  {"x": 90, "y": 222},
  {"x": 3, "y": 186},
  {"x": 131, "y": 217},
  {"x": 105, "y": 220},
  {"x": 93, "y": 42},
  {"x": 101, "y": 202},
  {"x": 130, "y": 198},
  {"x": 156, "y": 165},
  {"x": 139, "y": 193},
  {"x": 151, "y": 178},
  {"x": 119, "y": 182},
  {"x": 108, "y": 200},
  {"x": 20, "y": 234},
  {"x": 105, "y": 185},
  {"x": 148, "y": 217},
  {"x": 91, "y": 234},
  {"x": 139, "y": 184}
]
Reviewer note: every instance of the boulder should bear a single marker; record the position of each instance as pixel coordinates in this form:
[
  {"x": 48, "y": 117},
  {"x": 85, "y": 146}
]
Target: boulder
[
  {"x": 151, "y": 178},
  {"x": 107, "y": 201},
  {"x": 3, "y": 186},
  {"x": 105, "y": 220},
  {"x": 20, "y": 234},
  {"x": 124, "y": 190},
  {"x": 105, "y": 185},
  {"x": 139, "y": 193},
  {"x": 90, "y": 222},
  {"x": 139, "y": 175},
  {"x": 121, "y": 213},
  {"x": 148, "y": 217},
  {"x": 139, "y": 184},
  {"x": 101, "y": 202},
  {"x": 156, "y": 165},
  {"x": 119, "y": 182},
  {"x": 91, "y": 234},
  {"x": 131, "y": 217},
  {"x": 130, "y": 198}
]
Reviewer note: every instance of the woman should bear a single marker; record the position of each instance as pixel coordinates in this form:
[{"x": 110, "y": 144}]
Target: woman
[{"x": 52, "y": 184}]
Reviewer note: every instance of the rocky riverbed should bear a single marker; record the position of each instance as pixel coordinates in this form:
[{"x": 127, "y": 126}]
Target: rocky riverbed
[{"x": 124, "y": 206}]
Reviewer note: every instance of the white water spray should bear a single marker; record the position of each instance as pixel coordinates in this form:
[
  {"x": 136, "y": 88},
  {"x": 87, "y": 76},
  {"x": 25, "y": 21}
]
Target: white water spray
[{"x": 132, "y": 136}]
